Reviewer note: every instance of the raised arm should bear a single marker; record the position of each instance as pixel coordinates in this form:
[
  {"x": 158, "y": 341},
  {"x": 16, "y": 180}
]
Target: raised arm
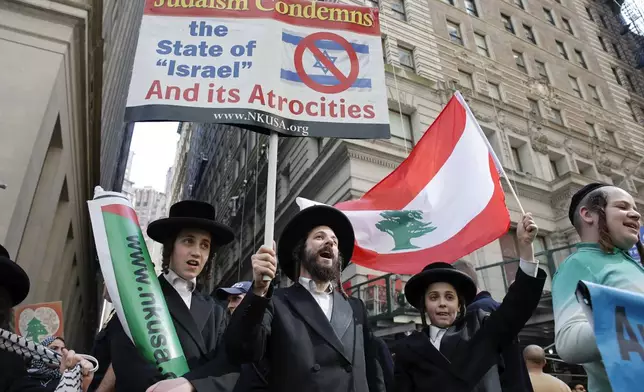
[{"x": 574, "y": 336}]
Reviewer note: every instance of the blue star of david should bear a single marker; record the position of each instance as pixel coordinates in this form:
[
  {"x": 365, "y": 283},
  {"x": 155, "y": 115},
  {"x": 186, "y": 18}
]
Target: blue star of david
[{"x": 318, "y": 63}]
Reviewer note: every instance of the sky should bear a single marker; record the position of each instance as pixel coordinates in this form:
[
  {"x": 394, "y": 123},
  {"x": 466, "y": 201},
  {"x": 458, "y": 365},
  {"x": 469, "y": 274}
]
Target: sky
[{"x": 153, "y": 144}]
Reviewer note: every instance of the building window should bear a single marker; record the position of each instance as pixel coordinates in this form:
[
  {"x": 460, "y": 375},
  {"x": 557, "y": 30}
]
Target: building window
[
  {"x": 580, "y": 59},
  {"x": 554, "y": 169},
  {"x": 454, "y": 31},
  {"x": 590, "y": 14},
  {"x": 398, "y": 7},
  {"x": 507, "y": 23},
  {"x": 618, "y": 54},
  {"x": 562, "y": 49},
  {"x": 549, "y": 17},
  {"x": 517, "y": 159},
  {"x": 602, "y": 43},
  {"x": 612, "y": 139},
  {"x": 518, "y": 60},
  {"x": 601, "y": 17},
  {"x": 529, "y": 34},
  {"x": 465, "y": 80},
  {"x": 494, "y": 91},
  {"x": 400, "y": 128},
  {"x": 574, "y": 83},
  {"x": 519, "y": 3},
  {"x": 450, "y": 2},
  {"x": 594, "y": 95},
  {"x": 567, "y": 26},
  {"x": 406, "y": 57},
  {"x": 470, "y": 8},
  {"x": 556, "y": 116},
  {"x": 633, "y": 113},
  {"x": 541, "y": 70},
  {"x": 481, "y": 45},
  {"x": 590, "y": 127},
  {"x": 534, "y": 107},
  {"x": 629, "y": 82},
  {"x": 616, "y": 75}
]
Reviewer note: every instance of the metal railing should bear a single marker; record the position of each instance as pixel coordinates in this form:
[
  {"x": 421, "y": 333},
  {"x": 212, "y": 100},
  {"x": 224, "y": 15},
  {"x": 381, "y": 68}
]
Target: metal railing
[{"x": 384, "y": 295}]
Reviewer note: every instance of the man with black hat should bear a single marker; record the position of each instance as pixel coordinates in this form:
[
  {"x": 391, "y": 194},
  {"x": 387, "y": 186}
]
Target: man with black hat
[
  {"x": 190, "y": 237},
  {"x": 608, "y": 223},
  {"x": 14, "y": 287},
  {"x": 312, "y": 335}
]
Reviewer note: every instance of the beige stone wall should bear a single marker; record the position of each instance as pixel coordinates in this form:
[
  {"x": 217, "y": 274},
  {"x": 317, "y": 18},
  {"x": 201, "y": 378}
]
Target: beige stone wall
[{"x": 44, "y": 154}]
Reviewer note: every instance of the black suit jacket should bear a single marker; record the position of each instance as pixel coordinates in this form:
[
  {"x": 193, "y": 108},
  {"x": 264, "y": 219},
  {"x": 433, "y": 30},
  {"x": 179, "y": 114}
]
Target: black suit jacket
[
  {"x": 200, "y": 330},
  {"x": 303, "y": 350},
  {"x": 469, "y": 350}
]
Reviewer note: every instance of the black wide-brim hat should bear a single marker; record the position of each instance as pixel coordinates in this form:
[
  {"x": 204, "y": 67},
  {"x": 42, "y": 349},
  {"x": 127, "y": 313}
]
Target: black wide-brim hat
[
  {"x": 301, "y": 225},
  {"x": 190, "y": 214},
  {"x": 416, "y": 287},
  {"x": 13, "y": 278}
]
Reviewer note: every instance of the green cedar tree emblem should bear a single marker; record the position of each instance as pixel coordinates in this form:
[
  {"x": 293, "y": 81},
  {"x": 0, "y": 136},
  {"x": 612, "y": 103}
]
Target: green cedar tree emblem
[{"x": 403, "y": 226}]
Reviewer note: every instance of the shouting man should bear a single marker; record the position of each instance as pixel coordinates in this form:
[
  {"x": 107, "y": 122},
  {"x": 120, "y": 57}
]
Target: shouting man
[
  {"x": 190, "y": 237},
  {"x": 312, "y": 335}
]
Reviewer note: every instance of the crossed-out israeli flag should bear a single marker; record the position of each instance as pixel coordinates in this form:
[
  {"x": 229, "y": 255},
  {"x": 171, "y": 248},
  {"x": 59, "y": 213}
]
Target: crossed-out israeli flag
[{"x": 317, "y": 70}]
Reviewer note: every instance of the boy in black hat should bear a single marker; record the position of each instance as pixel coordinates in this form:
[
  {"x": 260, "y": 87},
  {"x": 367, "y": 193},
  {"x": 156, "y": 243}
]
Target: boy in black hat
[
  {"x": 608, "y": 223},
  {"x": 190, "y": 237},
  {"x": 311, "y": 334}
]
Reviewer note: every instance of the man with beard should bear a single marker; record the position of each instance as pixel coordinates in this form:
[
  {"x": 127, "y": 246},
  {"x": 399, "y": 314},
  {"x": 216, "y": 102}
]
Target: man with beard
[{"x": 311, "y": 334}]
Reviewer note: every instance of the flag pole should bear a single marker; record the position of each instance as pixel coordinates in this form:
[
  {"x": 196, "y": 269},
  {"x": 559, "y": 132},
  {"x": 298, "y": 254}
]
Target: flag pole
[
  {"x": 497, "y": 163},
  {"x": 271, "y": 181}
]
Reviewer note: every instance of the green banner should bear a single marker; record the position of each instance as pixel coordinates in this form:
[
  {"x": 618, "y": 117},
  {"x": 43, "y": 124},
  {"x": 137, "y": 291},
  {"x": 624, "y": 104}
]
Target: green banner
[{"x": 142, "y": 300}]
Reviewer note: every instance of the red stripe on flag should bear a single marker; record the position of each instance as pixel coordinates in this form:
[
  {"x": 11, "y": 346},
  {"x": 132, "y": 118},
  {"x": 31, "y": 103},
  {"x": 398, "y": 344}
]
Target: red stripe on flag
[
  {"x": 402, "y": 185},
  {"x": 493, "y": 221},
  {"x": 122, "y": 210}
]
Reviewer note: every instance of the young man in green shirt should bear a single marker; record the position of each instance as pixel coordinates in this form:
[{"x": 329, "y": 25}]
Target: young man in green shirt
[{"x": 608, "y": 223}]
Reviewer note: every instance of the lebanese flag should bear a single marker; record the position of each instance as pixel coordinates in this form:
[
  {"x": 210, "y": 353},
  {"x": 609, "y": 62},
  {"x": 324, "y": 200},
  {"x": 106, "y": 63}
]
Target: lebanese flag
[{"x": 443, "y": 202}]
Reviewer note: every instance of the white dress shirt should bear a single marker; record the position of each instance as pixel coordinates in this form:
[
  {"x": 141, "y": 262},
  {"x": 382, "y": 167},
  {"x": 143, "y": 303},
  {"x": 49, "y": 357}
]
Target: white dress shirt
[
  {"x": 182, "y": 286},
  {"x": 436, "y": 334},
  {"x": 324, "y": 299}
]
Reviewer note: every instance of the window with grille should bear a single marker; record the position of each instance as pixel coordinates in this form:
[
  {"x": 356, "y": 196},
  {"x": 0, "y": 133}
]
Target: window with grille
[
  {"x": 481, "y": 45},
  {"x": 507, "y": 23},
  {"x": 549, "y": 17},
  {"x": 541, "y": 70},
  {"x": 518, "y": 60},
  {"x": 529, "y": 34},
  {"x": 454, "y": 31},
  {"x": 580, "y": 58},
  {"x": 562, "y": 49},
  {"x": 574, "y": 84},
  {"x": 406, "y": 57}
]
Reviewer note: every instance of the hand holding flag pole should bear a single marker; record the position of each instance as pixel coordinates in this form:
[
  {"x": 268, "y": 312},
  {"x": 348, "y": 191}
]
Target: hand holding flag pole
[{"x": 499, "y": 167}]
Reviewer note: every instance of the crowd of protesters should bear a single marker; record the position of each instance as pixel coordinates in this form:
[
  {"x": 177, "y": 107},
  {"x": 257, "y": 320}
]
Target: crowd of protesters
[{"x": 313, "y": 336}]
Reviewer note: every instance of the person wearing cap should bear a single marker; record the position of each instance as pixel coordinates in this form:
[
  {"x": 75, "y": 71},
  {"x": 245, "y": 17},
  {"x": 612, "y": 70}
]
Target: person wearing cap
[
  {"x": 458, "y": 351},
  {"x": 233, "y": 295},
  {"x": 312, "y": 335},
  {"x": 608, "y": 223},
  {"x": 190, "y": 237}
]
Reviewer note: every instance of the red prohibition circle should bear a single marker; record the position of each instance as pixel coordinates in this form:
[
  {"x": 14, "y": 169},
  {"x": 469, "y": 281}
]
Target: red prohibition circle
[{"x": 308, "y": 42}]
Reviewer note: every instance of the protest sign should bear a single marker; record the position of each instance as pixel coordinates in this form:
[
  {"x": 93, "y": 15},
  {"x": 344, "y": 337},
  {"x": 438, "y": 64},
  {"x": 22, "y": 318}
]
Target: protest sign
[
  {"x": 295, "y": 67},
  {"x": 39, "y": 321},
  {"x": 617, "y": 317}
]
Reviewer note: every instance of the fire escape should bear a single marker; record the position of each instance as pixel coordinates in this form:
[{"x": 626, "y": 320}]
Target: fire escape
[{"x": 631, "y": 16}]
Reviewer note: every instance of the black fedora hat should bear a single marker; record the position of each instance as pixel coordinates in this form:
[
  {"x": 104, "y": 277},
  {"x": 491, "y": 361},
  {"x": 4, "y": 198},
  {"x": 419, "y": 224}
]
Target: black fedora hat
[
  {"x": 13, "y": 278},
  {"x": 439, "y": 272},
  {"x": 190, "y": 214},
  {"x": 305, "y": 221}
]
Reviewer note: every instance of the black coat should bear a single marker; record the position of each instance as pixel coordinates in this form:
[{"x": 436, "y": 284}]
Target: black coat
[
  {"x": 512, "y": 369},
  {"x": 200, "y": 330},
  {"x": 303, "y": 350},
  {"x": 469, "y": 350},
  {"x": 12, "y": 371}
]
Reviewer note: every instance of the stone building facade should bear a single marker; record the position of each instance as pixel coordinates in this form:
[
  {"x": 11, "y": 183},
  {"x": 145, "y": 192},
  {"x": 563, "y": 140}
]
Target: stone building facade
[{"x": 559, "y": 108}]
